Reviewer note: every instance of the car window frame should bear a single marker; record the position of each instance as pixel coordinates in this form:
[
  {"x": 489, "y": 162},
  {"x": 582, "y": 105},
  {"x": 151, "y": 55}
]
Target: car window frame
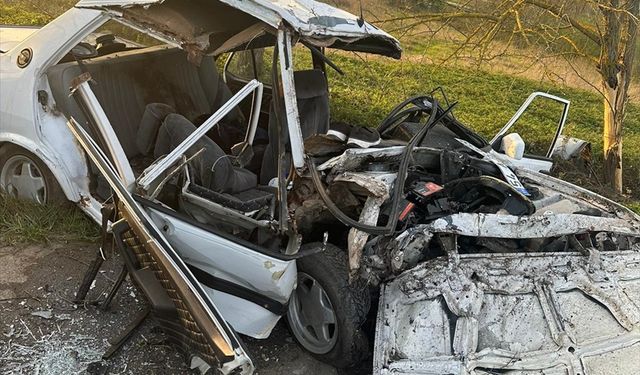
[
  {"x": 226, "y": 72},
  {"x": 522, "y": 110}
]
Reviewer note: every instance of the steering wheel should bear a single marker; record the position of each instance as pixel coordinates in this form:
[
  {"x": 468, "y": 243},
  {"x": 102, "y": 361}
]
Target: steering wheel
[{"x": 410, "y": 110}]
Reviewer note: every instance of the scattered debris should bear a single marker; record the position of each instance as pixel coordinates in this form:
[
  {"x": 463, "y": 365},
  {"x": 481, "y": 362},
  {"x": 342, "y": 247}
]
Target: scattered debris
[
  {"x": 45, "y": 314},
  {"x": 160, "y": 356},
  {"x": 53, "y": 354}
]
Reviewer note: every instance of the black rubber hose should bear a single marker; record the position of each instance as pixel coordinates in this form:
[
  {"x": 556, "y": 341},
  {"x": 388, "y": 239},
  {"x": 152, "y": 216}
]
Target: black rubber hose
[
  {"x": 397, "y": 190},
  {"x": 399, "y": 118},
  {"x": 392, "y": 116}
]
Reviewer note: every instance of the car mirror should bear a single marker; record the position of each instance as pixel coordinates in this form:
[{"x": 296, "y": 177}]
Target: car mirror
[{"x": 513, "y": 146}]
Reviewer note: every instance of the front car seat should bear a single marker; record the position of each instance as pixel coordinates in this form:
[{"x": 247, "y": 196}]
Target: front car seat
[
  {"x": 213, "y": 169},
  {"x": 312, "y": 94}
]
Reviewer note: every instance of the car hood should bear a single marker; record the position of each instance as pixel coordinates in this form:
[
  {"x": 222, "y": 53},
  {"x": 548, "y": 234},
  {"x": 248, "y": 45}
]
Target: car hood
[
  {"x": 317, "y": 23},
  {"x": 552, "y": 292}
]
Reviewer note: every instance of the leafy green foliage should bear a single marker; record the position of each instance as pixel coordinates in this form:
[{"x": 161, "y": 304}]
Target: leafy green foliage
[{"x": 18, "y": 14}]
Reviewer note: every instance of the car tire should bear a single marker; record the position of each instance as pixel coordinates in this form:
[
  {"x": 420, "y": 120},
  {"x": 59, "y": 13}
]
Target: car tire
[
  {"x": 23, "y": 175},
  {"x": 345, "y": 345}
]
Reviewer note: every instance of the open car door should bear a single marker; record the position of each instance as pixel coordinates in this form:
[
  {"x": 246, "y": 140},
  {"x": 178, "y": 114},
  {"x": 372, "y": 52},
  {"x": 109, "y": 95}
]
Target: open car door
[
  {"x": 179, "y": 302},
  {"x": 537, "y": 161}
]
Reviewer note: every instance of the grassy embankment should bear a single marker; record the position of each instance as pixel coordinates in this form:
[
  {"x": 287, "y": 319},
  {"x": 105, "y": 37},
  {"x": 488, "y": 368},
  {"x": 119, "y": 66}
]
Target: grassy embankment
[{"x": 371, "y": 87}]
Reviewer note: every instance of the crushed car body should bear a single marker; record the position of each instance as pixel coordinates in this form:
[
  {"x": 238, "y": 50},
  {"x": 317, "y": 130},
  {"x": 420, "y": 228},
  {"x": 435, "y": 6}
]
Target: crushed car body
[
  {"x": 534, "y": 313},
  {"x": 547, "y": 285},
  {"x": 237, "y": 200}
]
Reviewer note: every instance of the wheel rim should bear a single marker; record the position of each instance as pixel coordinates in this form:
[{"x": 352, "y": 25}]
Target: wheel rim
[
  {"x": 312, "y": 317},
  {"x": 21, "y": 178}
]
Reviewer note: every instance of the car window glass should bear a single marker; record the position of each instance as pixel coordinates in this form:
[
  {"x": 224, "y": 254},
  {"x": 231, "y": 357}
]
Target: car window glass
[
  {"x": 241, "y": 65},
  {"x": 264, "y": 63}
]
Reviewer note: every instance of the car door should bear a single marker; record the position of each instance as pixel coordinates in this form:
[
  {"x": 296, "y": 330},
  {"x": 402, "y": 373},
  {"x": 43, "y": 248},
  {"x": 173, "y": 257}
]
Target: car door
[
  {"x": 251, "y": 285},
  {"x": 538, "y": 158},
  {"x": 180, "y": 303}
]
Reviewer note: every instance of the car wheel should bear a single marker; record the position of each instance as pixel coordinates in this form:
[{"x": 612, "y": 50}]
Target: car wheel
[
  {"x": 326, "y": 312},
  {"x": 24, "y": 176}
]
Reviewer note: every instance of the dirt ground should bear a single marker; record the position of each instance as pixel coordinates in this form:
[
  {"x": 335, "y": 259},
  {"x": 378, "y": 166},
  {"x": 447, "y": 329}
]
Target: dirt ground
[{"x": 43, "y": 332}]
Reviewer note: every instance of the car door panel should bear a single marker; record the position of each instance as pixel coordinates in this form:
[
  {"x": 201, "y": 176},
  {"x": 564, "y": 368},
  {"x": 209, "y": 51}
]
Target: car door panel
[
  {"x": 538, "y": 163},
  {"x": 200, "y": 326},
  {"x": 250, "y": 288}
]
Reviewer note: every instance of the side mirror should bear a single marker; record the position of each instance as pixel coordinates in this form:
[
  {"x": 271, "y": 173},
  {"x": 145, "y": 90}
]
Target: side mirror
[{"x": 513, "y": 146}]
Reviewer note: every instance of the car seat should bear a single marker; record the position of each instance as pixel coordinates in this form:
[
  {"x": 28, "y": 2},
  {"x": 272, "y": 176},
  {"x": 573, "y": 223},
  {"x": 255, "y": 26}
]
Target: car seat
[
  {"x": 313, "y": 108},
  {"x": 214, "y": 191},
  {"x": 213, "y": 169}
]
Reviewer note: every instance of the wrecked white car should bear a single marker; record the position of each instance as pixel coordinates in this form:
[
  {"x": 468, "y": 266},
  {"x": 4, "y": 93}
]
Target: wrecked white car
[{"x": 234, "y": 200}]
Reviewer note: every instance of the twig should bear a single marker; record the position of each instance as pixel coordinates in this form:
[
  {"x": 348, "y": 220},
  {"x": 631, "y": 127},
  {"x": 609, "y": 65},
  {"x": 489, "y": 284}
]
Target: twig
[
  {"x": 14, "y": 298},
  {"x": 28, "y": 330},
  {"x": 33, "y": 297}
]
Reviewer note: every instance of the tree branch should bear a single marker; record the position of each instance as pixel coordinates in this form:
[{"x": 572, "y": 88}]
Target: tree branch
[
  {"x": 427, "y": 17},
  {"x": 557, "y": 11}
]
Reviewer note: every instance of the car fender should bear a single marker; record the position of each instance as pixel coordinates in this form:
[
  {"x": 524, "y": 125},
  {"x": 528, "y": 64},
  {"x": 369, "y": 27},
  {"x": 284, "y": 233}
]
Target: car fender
[
  {"x": 47, "y": 157},
  {"x": 40, "y": 130}
]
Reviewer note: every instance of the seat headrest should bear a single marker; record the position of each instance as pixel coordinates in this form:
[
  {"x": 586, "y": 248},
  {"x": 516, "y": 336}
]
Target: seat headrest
[{"x": 310, "y": 83}]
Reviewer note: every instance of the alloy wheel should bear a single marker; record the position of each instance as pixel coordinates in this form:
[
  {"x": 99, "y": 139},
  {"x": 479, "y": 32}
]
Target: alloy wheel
[
  {"x": 21, "y": 178},
  {"x": 312, "y": 317}
]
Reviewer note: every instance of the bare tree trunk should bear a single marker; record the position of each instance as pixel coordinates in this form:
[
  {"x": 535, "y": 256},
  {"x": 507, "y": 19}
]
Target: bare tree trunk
[
  {"x": 616, "y": 66},
  {"x": 612, "y": 137},
  {"x": 612, "y": 25}
]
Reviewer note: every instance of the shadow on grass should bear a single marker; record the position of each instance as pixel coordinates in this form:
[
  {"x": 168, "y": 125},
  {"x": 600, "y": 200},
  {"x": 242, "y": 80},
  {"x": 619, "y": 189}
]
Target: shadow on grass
[{"x": 28, "y": 222}]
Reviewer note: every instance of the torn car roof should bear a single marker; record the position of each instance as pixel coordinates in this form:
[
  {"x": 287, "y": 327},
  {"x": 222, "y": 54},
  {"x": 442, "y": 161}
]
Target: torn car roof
[{"x": 317, "y": 23}]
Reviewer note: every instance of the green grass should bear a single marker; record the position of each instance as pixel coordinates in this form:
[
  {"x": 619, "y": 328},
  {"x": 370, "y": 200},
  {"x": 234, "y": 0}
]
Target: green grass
[{"x": 27, "y": 222}]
